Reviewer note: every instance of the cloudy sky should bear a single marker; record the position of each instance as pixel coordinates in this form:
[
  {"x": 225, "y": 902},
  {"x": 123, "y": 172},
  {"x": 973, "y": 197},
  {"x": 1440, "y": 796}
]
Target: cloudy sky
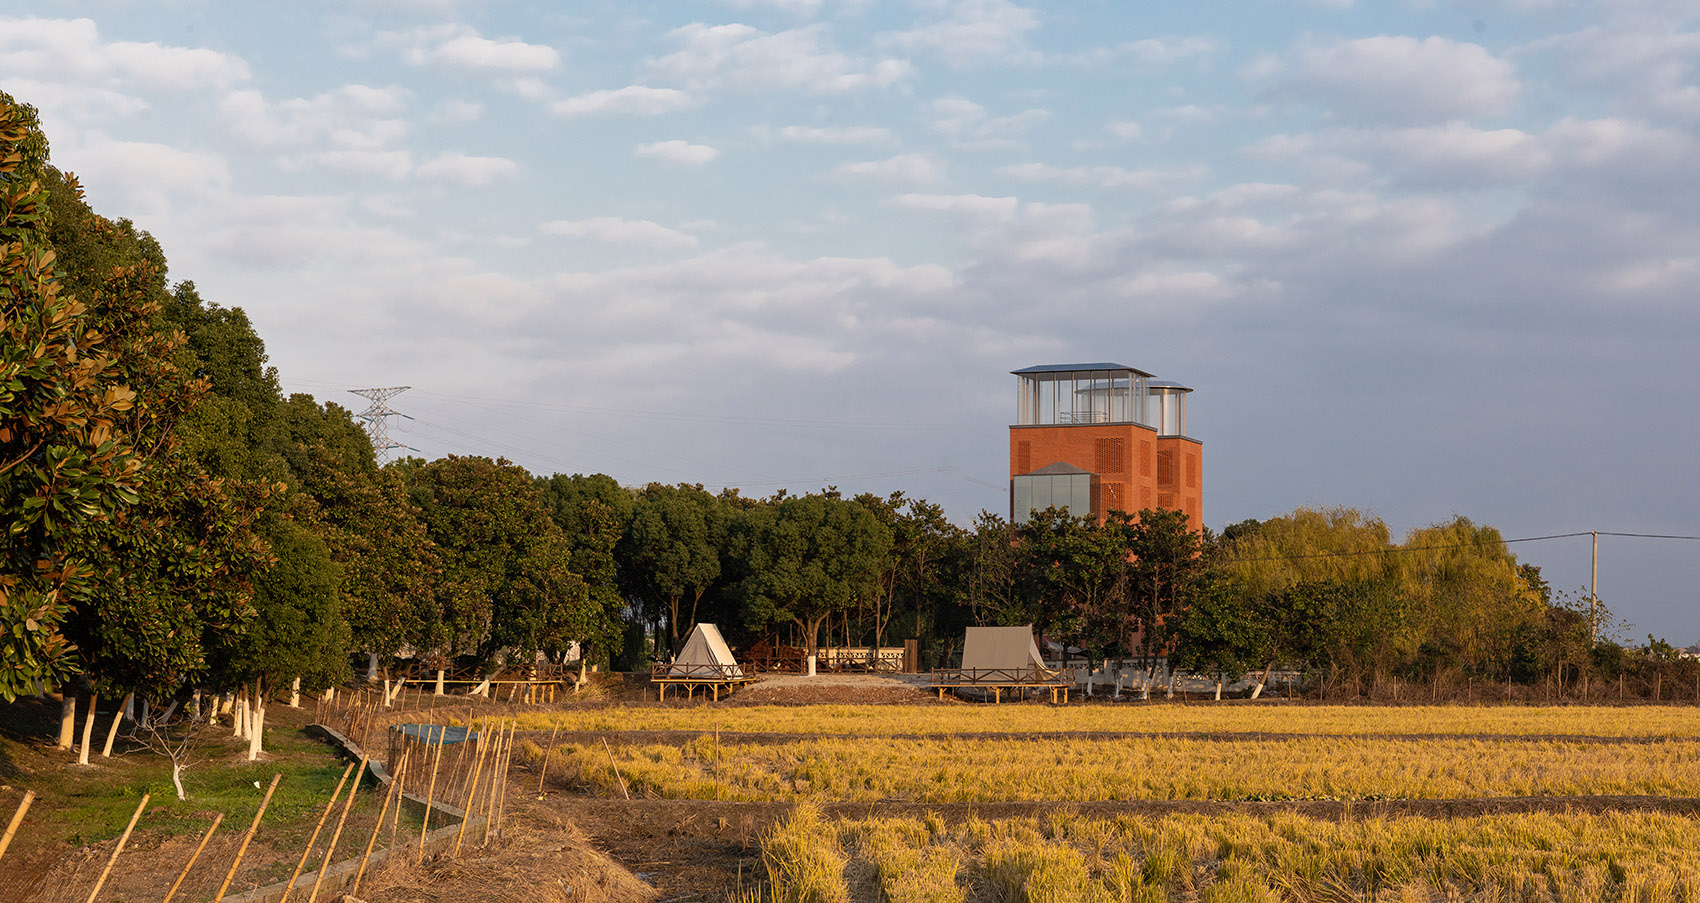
[{"x": 1422, "y": 257}]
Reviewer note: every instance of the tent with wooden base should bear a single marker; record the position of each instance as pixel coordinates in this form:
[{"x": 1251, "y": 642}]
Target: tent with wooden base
[
  {"x": 1003, "y": 658},
  {"x": 705, "y": 652},
  {"x": 705, "y": 661}
]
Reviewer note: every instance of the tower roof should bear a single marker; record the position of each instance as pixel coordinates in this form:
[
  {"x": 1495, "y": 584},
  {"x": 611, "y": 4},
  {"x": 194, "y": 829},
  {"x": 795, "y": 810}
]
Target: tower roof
[{"x": 1065, "y": 368}]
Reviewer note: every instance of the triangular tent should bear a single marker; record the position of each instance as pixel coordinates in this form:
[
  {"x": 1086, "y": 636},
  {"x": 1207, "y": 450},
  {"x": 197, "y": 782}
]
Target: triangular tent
[
  {"x": 1003, "y": 648},
  {"x": 705, "y": 653}
]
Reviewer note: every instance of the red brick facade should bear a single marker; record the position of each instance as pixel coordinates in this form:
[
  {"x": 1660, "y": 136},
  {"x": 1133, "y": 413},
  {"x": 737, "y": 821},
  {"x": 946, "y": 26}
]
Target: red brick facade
[{"x": 1136, "y": 468}]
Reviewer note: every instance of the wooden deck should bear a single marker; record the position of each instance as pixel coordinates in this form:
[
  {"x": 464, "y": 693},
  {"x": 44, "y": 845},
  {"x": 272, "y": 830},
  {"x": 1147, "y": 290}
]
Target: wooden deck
[
  {"x": 713, "y": 678},
  {"x": 997, "y": 680}
]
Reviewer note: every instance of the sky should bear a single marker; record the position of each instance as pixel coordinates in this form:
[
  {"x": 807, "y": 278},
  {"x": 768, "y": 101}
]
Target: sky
[{"x": 1420, "y": 257}]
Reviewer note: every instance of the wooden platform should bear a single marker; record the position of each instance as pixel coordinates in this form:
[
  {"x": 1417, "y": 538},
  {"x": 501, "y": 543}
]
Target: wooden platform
[
  {"x": 998, "y": 680},
  {"x": 713, "y": 678}
]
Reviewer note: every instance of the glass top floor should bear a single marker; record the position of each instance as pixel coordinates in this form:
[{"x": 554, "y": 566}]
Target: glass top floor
[{"x": 1067, "y": 394}]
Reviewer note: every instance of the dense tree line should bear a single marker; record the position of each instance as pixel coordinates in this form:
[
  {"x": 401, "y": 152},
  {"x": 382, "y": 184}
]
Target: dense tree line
[{"x": 173, "y": 521}]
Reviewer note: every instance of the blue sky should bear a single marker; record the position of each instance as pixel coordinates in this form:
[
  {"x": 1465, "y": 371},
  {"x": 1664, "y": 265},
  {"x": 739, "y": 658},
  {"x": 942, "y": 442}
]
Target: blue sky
[{"x": 1423, "y": 258}]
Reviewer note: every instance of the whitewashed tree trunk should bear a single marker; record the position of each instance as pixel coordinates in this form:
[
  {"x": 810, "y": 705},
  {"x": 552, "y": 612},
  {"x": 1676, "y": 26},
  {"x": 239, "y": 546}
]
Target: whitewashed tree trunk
[
  {"x": 295, "y": 694},
  {"x": 130, "y": 706},
  {"x": 256, "y": 730},
  {"x": 482, "y": 689},
  {"x": 147, "y": 710},
  {"x": 170, "y": 710},
  {"x": 117, "y": 717},
  {"x": 372, "y": 667},
  {"x": 1219, "y": 679},
  {"x": 67, "y": 718},
  {"x": 386, "y": 693},
  {"x": 195, "y": 705},
  {"x": 1169, "y": 691},
  {"x": 439, "y": 682},
  {"x": 88, "y": 729},
  {"x": 177, "y": 779},
  {"x": 1262, "y": 681}
]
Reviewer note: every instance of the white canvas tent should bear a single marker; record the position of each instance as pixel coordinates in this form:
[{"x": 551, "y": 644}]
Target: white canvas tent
[
  {"x": 705, "y": 654},
  {"x": 1001, "y": 648}
]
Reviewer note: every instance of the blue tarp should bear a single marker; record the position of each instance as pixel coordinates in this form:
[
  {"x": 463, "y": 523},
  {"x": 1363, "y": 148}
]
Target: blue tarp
[{"x": 430, "y": 732}]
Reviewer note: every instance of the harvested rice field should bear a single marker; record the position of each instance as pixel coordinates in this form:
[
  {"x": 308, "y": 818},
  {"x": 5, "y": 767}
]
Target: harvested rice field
[{"x": 1141, "y": 802}]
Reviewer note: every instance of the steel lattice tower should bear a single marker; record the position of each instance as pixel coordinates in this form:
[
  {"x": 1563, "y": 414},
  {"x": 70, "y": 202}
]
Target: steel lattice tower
[{"x": 375, "y": 417}]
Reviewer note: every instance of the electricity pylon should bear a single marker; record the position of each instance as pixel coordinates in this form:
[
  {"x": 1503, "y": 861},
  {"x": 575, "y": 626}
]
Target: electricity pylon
[{"x": 377, "y": 426}]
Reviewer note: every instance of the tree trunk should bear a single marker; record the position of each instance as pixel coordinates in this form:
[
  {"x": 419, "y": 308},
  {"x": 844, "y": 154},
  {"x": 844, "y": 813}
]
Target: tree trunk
[
  {"x": 372, "y": 667},
  {"x": 88, "y": 729},
  {"x": 67, "y": 718},
  {"x": 295, "y": 694},
  {"x": 1261, "y": 681},
  {"x": 177, "y": 778},
  {"x": 239, "y": 718},
  {"x": 257, "y": 719},
  {"x": 117, "y": 718}
]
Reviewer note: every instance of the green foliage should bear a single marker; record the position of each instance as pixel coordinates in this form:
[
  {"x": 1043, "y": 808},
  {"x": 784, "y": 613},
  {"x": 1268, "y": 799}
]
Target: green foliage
[
  {"x": 298, "y": 629},
  {"x": 506, "y": 582},
  {"x": 808, "y": 557},
  {"x": 673, "y": 549}
]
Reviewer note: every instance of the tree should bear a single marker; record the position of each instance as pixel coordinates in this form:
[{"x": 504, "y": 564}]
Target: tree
[
  {"x": 809, "y": 557},
  {"x": 506, "y": 579},
  {"x": 119, "y": 547},
  {"x": 1163, "y": 578},
  {"x": 1222, "y": 632},
  {"x": 675, "y": 538},
  {"x": 65, "y": 464},
  {"x": 1075, "y": 569}
]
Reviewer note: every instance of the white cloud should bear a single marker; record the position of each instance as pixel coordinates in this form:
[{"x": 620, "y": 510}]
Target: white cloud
[
  {"x": 1102, "y": 176},
  {"x": 353, "y": 115},
  {"x": 794, "y": 7},
  {"x": 1646, "y": 67},
  {"x": 457, "y": 111},
  {"x": 743, "y": 58},
  {"x": 1453, "y": 155},
  {"x": 1166, "y": 50},
  {"x": 634, "y": 100},
  {"x": 837, "y": 134},
  {"x": 616, "y": 231},
  {"x": 972, "y": 205},
  {"x": 975, "y": 31},
  {"x": 1403, "y": 79},
  {"x": 919, "y": 169},
  {"x": 69, "y": 65},
  {"x": 386, "y": 164},
  {"x": 462, "y": 47},
  {"x": 967, "y": 123},
  {"x": 144, "y": 180},
  {"x": 676, "y": 151},
  {"x": 463, "y": 169}
]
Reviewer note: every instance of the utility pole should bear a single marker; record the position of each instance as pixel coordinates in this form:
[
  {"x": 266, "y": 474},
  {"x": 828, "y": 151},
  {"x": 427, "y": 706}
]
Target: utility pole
[
  {"x": 1594, "y": 593},
  {"x": 377, "y": 427}
]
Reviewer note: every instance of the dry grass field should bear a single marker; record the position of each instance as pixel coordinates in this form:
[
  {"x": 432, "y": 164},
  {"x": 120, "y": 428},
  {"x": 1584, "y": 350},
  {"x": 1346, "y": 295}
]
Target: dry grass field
[{"x": 988, "y": 804}]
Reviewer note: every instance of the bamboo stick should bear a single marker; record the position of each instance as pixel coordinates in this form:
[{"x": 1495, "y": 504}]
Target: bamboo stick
[
  {"x": 507, "y": 766},
  {"x": 247, "y": 837},
  {"x": 401, "y": 793},
  {"x": 471, "y": 797},
  {"x": 376, "y": 827},
  {"x": 616, "y": 765},
  {"x": 17, "y": 819},
  {"x": 425, "y": 821},
  {"x": 546, "y": 754},
  {"x": 289, "y": 887},
  {"x": 119, "y": 848},
  {"x": 217, "y": 820},
  {"x": 330, "y": 849},
  {"x": 490, "y": 795}
]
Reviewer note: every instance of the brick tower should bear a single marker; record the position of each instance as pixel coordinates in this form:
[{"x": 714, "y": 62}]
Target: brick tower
[{"x": 1098, "y": 437}]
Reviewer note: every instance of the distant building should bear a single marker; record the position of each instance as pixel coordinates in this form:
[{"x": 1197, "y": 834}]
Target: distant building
[{"x": 1099, "y": 437}]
